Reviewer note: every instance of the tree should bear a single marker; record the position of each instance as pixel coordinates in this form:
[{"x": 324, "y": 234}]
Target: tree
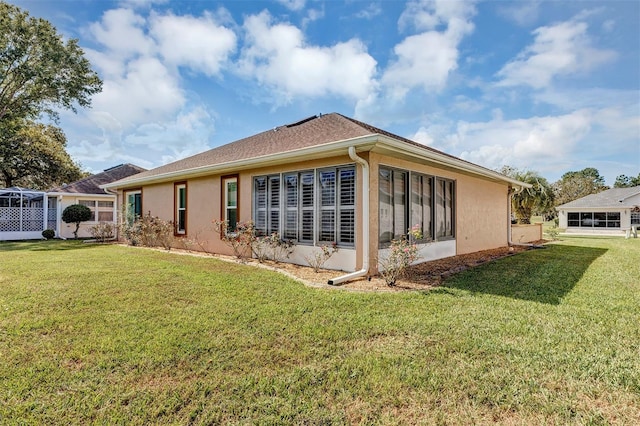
[
  {"x": 624, "y": 181},
  {"x": 537, "y": 199},
  {"x": 76, "y": 213},
  {"x": 39, "y": 72},
  {"x": 33, "y": 155},
  {"x": 574, "y": 185}
]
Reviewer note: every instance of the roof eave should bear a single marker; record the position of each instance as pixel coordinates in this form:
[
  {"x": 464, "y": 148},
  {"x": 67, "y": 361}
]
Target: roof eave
[{"x": 362, "y": 143}]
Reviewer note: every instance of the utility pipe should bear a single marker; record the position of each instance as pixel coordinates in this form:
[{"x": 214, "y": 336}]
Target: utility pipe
[{"x": 365, "y": 221}]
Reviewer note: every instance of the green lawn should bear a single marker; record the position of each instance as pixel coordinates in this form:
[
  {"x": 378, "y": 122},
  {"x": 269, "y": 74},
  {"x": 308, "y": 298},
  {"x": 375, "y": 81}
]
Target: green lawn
[{"x": 110, "y": 334}]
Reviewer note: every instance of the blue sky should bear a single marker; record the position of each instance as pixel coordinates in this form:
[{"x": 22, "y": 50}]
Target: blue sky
[{"x": 550, "y": 86}]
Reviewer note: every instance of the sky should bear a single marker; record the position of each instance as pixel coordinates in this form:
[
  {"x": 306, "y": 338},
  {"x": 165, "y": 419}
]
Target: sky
[{"x": 548, "y": 86}]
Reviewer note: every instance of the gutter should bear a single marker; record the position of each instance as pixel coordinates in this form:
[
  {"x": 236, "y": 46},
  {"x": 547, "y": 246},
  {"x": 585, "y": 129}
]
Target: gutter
[
  {"x": 374, "y": 140},
  {"x": 365, "y": 221}
]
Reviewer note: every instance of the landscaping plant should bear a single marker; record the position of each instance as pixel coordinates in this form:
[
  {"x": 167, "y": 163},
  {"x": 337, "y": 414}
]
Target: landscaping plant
[
  {"x": 102, "y": 231},
  {"x": 403, "y": 252},
  {"x": 76, "y": 213},
  {"x": 319, "y": 257}
]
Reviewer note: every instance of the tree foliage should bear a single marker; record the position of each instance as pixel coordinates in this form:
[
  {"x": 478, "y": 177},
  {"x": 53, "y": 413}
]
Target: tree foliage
[
  {"x": 76, "y": 213},
  {"x": 624, "y": 181},
  {"x": 39, "y": 72},
  {"x": 574, "y": 185},
  {"x": 33, "y": 155},
  {"x": 537, "y": 199}
]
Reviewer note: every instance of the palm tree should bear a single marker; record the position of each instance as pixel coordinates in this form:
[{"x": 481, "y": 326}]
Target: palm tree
[{"x": 537, "y": 199}]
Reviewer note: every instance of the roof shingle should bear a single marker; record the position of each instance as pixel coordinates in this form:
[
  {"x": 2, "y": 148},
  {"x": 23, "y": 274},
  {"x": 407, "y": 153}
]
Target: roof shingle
[
  {"x": 91, "y": 184},
  {"x": 614, "y": 197}
]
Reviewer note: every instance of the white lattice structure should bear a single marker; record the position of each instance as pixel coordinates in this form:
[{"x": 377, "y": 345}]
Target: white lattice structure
[{"x": 22, "y": 214}]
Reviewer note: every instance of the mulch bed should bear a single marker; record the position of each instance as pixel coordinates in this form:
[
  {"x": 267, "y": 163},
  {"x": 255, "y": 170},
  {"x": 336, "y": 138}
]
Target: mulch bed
[{"x": 423, "y": 276}]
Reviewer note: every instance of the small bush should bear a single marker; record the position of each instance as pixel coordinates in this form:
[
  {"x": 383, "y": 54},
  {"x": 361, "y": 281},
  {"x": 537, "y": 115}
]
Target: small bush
[
  {"x": 271, "y": 247},
  {"x": 149, "y": 231},
  {"x": 402, "y": 253},
  {"x": 239, "y": 240},
  {"x": 103, "y": 231},
  {"x": 319, "y": 258},
  {"x": 76, "y": 213},
  {"x": 48, "y": 233}
]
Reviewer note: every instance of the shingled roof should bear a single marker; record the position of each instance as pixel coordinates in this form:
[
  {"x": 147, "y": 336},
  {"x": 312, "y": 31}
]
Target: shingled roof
[
  {"x": 311, "y": 132},
  {"x": 91, "y": 184},
  {"x": 614, "y": 197}
]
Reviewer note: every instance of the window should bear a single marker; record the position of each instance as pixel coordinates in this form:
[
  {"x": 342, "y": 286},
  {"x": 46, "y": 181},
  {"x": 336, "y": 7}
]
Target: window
[
  {"x": 317, "y": 205},
  {"x": 593, "y": 219},
  {"x": 180, "y": 218},
  {"x": 299, "y": 196},
  {"x": 133, "y": 206},
  {"x": 103, "y": 210},
  {"x": 230, "y": 202},
  {"x": 444, "y": 208},
  {"x": 407, "y": 200}
]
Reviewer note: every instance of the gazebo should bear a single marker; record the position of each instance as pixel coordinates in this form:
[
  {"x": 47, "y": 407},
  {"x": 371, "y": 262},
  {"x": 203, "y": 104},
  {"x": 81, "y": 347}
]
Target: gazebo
[{"x": 25, "y": 213}]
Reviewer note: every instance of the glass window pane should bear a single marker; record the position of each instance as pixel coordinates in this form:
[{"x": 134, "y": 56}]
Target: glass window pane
[
  {"x": 105, "y": 204},
  {"x": 385, "y": 202},
  {"x": 105, "y": 216},
  {"x": 426, "y": 207},
  {"x": 306, "y": 184},
  {"x": 416, "y": 201},
  {"x": 347, "y": 226},
  {"x": 586, "y": 220},
  {"x": 328, "y": 188},
  {"x": 399, "y": 204},
  {"x": 232, "y": 193},
  {"x": 232, "y": 218},
  {"x": 347, "y": 187},
  {"x": 327, "y": 226}
]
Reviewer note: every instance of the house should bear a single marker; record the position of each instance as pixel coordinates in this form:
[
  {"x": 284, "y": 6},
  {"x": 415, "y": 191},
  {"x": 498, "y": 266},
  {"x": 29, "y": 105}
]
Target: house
[
  {"x": 88, "y": 192},
  {"x": 613, "y": 211},
  {"x": 330, "y": 178}
]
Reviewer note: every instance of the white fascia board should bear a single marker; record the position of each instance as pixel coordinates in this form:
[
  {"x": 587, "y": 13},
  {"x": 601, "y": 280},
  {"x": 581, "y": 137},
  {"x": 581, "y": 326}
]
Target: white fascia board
[
  {"x": 362, "y": 143},
  {"x": 318, "y": 151},
  {"x": 448, "y": 161},
  {"x": 80, "y": 194}
]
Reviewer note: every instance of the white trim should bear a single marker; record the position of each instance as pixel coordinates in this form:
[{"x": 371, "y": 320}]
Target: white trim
[{"x": 364, "y": 143}]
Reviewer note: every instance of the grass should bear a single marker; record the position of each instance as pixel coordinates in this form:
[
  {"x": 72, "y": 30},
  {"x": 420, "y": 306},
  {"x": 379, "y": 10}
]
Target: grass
[{"x": 110, "y": 334}]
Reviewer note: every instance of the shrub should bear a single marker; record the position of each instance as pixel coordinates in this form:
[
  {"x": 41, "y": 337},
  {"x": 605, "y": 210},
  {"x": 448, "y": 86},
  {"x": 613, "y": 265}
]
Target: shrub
[
  {"x": 553, "y": 233},
  {"x": 271, "y": 247},
  {"x": 319, "y": 258},
  {"x": 149, "y": 231},
  {"x": 102, "y": 231},
  {"x": 402, "y": 253},
  {"x": 48, "y": 233},
  {"x": 76, "y": 213},
  {"x": 239, "y": 240}
]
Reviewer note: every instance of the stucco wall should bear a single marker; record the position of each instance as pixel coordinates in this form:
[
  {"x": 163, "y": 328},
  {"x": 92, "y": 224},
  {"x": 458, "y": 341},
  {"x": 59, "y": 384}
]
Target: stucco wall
[
  {"x": 481, "y": 213},
  {"x": 526, "y": 233},
  {"x": 481, "y": 209},
  {"x": 65, "y": 230}
]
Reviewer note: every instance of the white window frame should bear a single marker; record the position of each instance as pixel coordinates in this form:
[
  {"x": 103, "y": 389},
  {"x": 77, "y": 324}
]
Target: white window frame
[
  {"x": 298, "y": 209},
  {"x": 96, "y": 209}
]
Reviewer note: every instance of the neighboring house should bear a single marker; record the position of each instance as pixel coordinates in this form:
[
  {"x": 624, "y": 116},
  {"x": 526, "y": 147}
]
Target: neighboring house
[
  {"x": 330, "y": 178},
  {"x": 613, "y": 211},
  {"x": 88, "y": 192}
]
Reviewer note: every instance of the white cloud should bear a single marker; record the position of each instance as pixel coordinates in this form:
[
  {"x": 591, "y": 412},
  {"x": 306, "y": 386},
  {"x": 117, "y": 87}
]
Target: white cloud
[
  {"x": 198, "y": 43},
  {"x": 428, "y": 15},
  {"x": 539, "y": 143},
  {"x": 293, "y": 4},
  {"x": 427, "y": 59},
  {"x": 370, "y": 12},
  {"x": 557, "y": 50},
  {"x": 121, "y": 32},
  {"x": 280, "y": 59},
  {"x": 523, "y": 13}
]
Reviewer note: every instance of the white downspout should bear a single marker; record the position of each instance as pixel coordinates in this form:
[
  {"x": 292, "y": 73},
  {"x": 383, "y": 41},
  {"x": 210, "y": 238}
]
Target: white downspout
[{"x": 365, "y": 221}]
